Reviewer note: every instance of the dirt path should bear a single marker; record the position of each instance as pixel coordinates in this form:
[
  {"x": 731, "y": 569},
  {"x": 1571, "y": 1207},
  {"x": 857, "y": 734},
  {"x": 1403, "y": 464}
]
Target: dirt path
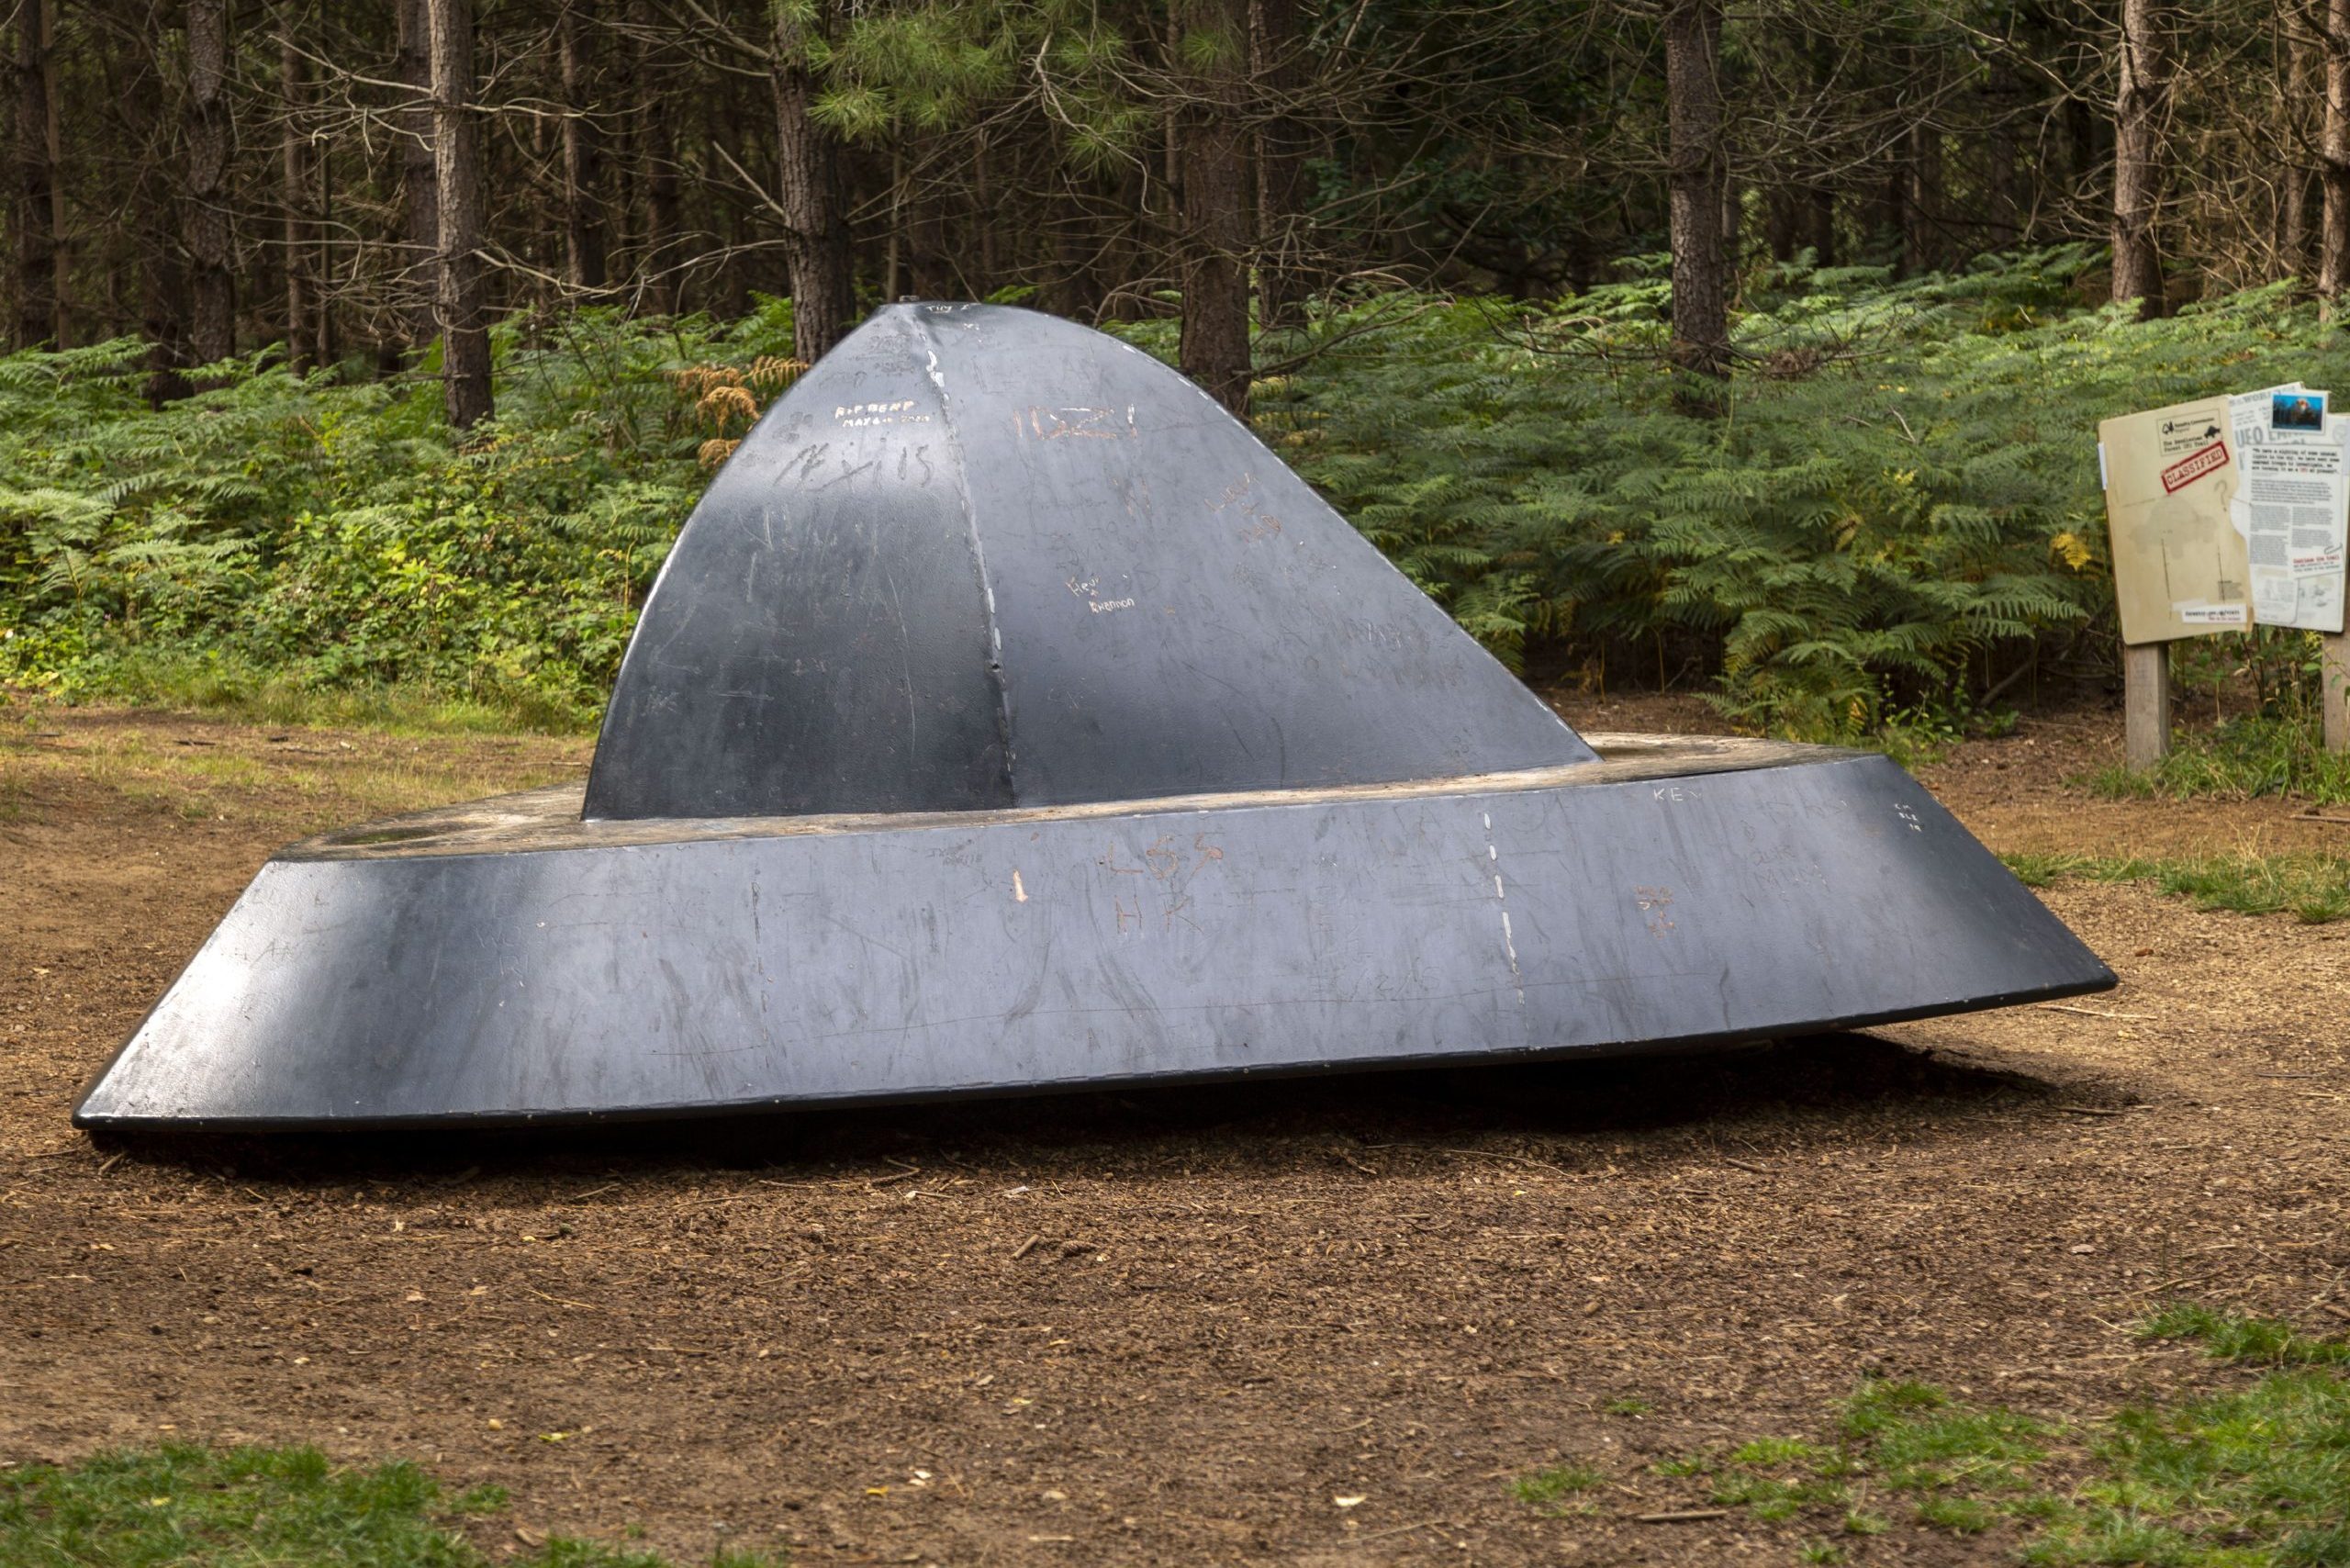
[{"x": 1159, "y": 1328}]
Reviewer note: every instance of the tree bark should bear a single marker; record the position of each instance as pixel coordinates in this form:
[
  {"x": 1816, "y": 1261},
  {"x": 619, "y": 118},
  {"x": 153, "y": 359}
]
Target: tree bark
[
  {"x": 162, "y": 277},
  {"x": 1213, "y": 201},
  {"x": 2138, "y": 111},
  {"x": 1283, "y": 276},
  {"x": 984, "y": 216},
  {"x": 1693, "y": 31},
  {"x": 807, "y": 196},
  {"x": 322, "y": 338},
  {"x": 2334, "y": 158},
  {"x": 2003, "y": 224},
  {"x": 211, "y": 283},
  {"x": 583, "y": 203},
  {"x": 1823, "y": 225},
  {"x": 40, "y": 295},
  {"x": 420, "y": 181},
  {"x": 294, "y": 156},
  {"x": 2298, "y": 178},
  {"x": 657, "y": 143},
  {"x": 730, "y": 286},
  {"x": 458, "y": 297},
  {"x": 893, "y": 251},
  {"x": 1922, "y": 212}
]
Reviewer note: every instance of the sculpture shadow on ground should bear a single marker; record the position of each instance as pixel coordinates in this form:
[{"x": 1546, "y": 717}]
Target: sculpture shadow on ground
[{"x": 1855, "y": 1081}]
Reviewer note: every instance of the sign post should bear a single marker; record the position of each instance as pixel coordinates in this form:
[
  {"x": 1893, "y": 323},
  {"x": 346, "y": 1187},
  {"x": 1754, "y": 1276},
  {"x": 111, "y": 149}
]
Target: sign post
[
  {"x": 2145, "y": 703},
  {"x": 2334, "y": 687}
]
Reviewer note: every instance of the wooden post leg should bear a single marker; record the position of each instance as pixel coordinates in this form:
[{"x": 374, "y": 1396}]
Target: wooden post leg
[
  {"x": 2145, "y": 701},
  {"x": 2334, "y": 687}
]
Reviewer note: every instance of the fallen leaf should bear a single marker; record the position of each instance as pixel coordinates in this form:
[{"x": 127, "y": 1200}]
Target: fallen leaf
[{"x": 1350, "y": 1502}]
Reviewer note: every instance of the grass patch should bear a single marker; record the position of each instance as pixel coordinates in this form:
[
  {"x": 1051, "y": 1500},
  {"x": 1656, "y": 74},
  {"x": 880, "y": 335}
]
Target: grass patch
[
  {"x": 1776, "y": 1499},
  {"x": 2233, "y": 1336},
  {"x": 2260, "y": 1476},
  {"x": 2257, "y": 1477},
  {"x": 2238, "y": 759},
  {"x": 184, "y": 1507},
  {"x": 1548, "y": 1489},
  {"x": 229, "y": 688},
  {"x": 1918, "y": 1439},
  {"x": 1774, "y": 1451},
  {"x": 2314, "y": 887},
  {"x": 310, "y": 781}
]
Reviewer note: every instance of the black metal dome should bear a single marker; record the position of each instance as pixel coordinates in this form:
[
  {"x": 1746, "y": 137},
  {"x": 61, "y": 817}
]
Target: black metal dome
[{"x": 982, "y": 557}]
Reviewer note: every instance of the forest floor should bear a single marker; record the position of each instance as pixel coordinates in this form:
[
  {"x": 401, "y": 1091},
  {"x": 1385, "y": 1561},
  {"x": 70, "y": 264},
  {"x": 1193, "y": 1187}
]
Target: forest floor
[{"x": 1307, "y": 1323}]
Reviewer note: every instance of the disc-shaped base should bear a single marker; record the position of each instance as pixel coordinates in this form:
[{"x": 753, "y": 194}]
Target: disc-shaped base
[{"x": 505, "y": 962}]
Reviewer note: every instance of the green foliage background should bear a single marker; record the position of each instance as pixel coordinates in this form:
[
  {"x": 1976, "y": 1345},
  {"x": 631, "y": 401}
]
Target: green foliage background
[{"x": 1905, "y": 477}]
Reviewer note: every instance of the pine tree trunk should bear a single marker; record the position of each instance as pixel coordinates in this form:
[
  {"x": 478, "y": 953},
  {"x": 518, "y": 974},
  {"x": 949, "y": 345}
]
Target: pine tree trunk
[
  {"x": 53, "y": 149},
  {"x": 983, "y": 214},
  {"x": 2002, "y": 228},
  {"x": 2333, "y": 160},
  {"x": 33, "y": 211},
  {"x": 458, "y": 297},
  {"x": 1823, "y": 225},
  {"x": 1922, "y": 212},
  {"x": 1214, "y": 200},
  {"x": 1282, "y": 146},
  {"x": 1693, "y": 30},
  {"x": 323, "y": 338},
  {"x": 894, "y": 250},
  {"x": 420, "y": 181},
  {"x": 930, "y": 267},
  {"x": 2297, "y": 178},
  {"x": 582, "y": 206},
  {"x": 1782, "y": 211},
  {"x": 732, "y": 285},
  {"x": 816, "y": 234},
  {"x": 2138, "y": 111},
  {"x": 163, "y": 279},
  {"x": 294, "y": 162},
  {"x": 659, "y": 143},
  {"x": 211, "y": 283}
]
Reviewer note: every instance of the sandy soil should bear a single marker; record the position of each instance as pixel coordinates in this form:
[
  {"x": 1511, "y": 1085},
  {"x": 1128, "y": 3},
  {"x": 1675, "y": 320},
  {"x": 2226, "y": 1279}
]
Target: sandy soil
[{"x": 1156, "y": 1328}]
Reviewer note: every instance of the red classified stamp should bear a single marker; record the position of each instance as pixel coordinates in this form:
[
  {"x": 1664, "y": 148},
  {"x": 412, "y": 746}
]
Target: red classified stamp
[{"x": 2194, "y": 465}]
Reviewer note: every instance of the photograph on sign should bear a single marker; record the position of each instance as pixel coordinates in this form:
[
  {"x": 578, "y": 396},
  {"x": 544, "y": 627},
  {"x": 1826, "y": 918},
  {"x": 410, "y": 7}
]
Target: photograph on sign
[{"x": 2294, "y": 408}]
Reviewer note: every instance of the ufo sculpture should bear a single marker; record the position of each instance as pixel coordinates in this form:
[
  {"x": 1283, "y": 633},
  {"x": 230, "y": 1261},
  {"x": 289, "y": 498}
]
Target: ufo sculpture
[{"x": 1008, "y": 719}]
